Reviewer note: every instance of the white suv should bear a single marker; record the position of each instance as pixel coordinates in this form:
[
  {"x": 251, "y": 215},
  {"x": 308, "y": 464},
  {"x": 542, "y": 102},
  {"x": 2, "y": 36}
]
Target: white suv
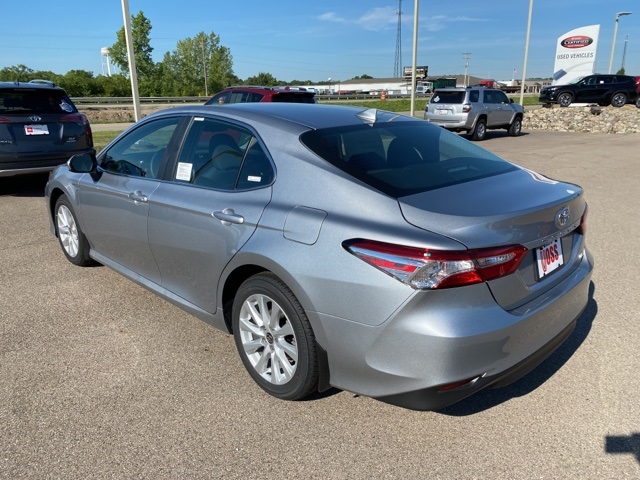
[{"x": 474, "y": 110}]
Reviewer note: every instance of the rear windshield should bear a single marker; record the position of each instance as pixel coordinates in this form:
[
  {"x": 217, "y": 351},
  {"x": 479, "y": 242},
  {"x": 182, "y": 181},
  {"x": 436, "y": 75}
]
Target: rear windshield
[
  {"x": 295, "y": 97},
  {"x": 29, "y": 101},
  {"x": 447, "y": 97},
  {"x": 404, "y": 158}
]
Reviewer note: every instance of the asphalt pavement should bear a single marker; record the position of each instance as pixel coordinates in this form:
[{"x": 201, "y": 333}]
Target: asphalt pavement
[{"x": 101, "y": 379}]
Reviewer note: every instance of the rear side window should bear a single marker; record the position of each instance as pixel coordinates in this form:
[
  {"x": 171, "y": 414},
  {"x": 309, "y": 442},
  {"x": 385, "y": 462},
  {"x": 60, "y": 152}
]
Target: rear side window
[
  {"x": 447, "y": 97},
  {"x": 404, "y": 158},
  {"x": 25, "y": 101}
]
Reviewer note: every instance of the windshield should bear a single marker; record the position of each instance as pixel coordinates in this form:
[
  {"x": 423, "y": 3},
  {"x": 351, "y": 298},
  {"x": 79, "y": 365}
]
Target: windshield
[{"x": 404, "y": 158}]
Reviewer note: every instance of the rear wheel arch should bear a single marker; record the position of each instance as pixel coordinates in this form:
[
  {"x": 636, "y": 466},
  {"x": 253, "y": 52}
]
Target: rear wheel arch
[
  {"x": 242, "y": 273},
  {"x": 619, "y": 99}
]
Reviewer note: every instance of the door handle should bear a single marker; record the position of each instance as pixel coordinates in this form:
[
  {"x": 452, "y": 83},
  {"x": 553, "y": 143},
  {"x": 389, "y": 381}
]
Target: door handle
[
  {"x": 138, "y": 197},
  {"x": 228, "y": 217}
]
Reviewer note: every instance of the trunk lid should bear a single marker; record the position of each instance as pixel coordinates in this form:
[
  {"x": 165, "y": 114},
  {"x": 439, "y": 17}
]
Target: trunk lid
[{"x": 538, "y": 212}]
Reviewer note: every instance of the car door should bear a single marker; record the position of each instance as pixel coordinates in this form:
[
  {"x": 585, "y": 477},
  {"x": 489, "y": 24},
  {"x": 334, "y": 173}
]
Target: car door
[
  {"x": 499, "y": 111},
  {"x": 587, "y": 90},
  {"x": 211, "y": 206},
  {"x": 115, "y": 202}
]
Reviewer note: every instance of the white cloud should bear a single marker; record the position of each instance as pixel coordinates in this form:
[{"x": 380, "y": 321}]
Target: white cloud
[
  {"x": 331, "y": 17},
  {"x": 380, "y": 18},
  {"x": 441, "y": 22}
]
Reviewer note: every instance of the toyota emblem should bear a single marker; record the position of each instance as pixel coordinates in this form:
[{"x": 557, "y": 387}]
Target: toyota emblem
[{"x": 563, "y": 216}]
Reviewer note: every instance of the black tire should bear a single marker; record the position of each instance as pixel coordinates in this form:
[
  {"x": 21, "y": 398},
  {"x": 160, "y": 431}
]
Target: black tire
[
  {"x": 288, "y": 341},
  {"x": 480, "y": 130},
  {"x": 516, "y": 127},
  {"x": 638, "y": 102},
  {"x": 565, "y": 99},
  {"x": 619, "y": 99},
  {"x": 72, "y": 240}
]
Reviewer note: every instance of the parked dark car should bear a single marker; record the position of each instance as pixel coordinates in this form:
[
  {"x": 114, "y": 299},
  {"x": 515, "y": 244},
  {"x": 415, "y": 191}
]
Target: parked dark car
[
  {"x": 341, "y": 246},
  {"x": 616, "y": 90},
  {"x": 40, "y": 128},
  {"x": 252, "y": 94}
]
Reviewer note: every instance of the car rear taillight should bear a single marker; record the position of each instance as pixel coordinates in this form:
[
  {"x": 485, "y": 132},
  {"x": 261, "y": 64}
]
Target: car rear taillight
[
  {"x": 435, "y": 269},
  {"x": 582, "y": 229},
  {"x": 80, "y": 119},
  {"x": 466, "y": 108},
  {"x": 4, "y": 120}
]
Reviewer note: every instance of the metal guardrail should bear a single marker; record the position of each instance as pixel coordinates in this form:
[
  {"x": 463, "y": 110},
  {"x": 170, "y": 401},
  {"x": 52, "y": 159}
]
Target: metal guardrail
[
  {"x": 129, "y": 100},
  {"x": 199, "y": 99}
]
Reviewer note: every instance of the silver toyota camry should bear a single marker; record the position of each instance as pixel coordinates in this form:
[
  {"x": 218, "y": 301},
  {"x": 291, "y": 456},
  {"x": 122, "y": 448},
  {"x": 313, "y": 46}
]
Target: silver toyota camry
[{"x": 342, "y": 247}]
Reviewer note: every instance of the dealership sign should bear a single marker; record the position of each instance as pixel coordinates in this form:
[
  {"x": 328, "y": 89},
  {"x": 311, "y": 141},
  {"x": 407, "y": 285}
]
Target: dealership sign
[{"x": 576, "y": 54}]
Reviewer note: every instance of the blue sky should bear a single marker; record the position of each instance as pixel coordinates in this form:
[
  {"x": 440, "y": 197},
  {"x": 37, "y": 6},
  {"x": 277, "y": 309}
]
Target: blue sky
[{"x": 324, "y": 39}]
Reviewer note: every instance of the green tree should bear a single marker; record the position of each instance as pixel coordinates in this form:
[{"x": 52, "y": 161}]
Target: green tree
[
  {"x": 198, "y": 66},
  {"x": 20, "y": 73},
  {"x": 621, "y": 71},
  {"x": 79, "y": 83},
  {"x": 263, "y": 78},
  {"x": 114, "y": 86},
  {"x": 142, "y": 49}
]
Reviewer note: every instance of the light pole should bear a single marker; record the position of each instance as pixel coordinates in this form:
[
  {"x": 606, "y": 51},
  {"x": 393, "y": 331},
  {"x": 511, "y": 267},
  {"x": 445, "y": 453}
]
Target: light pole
[
  {"x": 526, "y": 53},
  {"x": 615, "y": 33},
  {"x": 624, "y": 51}
]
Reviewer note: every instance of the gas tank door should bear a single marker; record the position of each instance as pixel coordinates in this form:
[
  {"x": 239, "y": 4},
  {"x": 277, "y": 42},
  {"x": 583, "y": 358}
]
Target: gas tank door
[{"x": 303, "y": 225}]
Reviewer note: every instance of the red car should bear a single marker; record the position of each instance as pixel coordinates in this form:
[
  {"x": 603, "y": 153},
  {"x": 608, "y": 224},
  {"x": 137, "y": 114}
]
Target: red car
[{"x": 247, "y": 94}]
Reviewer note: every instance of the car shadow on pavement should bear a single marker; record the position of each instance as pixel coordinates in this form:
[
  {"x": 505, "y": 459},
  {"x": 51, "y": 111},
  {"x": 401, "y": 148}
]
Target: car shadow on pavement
[
  {"x": 489, "y": 398},
  {"x": 24, "y": 185},
  {"x": 491, "y": 134},
  {"x": 623, "y": 444}
]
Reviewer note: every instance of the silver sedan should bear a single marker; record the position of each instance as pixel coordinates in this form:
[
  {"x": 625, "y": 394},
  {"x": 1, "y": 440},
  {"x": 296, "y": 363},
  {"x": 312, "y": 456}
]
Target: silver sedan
[{"x": 341, "y": 246}]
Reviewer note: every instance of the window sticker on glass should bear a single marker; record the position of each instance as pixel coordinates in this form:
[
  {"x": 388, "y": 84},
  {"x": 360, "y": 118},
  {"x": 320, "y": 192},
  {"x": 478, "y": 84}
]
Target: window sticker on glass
[
  {"x": 66, "y": 107},
  {"x": 254, "y": 178},
  {"x": 184, "y": 171}
]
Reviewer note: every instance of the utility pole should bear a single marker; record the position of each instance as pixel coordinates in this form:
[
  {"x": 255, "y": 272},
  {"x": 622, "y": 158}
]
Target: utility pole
[
  {"x": 397, "y": 66},
  {"x": 204, "y": 67},
  {"x": 466, "y": 66}
]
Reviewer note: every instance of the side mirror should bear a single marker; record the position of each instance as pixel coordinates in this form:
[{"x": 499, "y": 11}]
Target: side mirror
[
  {"x": 83, "y": 163},
  {"x": 511, "y": 100}
]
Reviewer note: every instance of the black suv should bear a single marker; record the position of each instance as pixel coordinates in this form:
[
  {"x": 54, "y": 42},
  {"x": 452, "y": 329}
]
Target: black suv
[
  {"x": 249, "y": 94},
  {"x": 616, "y": 90},
  {"x": 40, "y": 128}
]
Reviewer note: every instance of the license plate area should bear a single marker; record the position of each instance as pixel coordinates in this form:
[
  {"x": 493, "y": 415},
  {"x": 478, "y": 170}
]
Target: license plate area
[
  {"x": 36, "y": 130},
  {"x": 549, "y": 258}
]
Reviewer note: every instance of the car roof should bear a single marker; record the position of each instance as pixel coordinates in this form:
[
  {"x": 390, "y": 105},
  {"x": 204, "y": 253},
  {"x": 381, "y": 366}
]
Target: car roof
[
  {"x": 285, "y": 88},
  {"x": 313, "y": 116},
  {"x": 30, "y": 85}
]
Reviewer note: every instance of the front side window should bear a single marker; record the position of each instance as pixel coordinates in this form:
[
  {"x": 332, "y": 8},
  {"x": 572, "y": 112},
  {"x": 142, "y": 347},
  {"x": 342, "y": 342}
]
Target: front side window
[
  {"x": 140, "y": 153},
  {"x": 404, "y": 158},
  {"x": 222, "y": 156}
]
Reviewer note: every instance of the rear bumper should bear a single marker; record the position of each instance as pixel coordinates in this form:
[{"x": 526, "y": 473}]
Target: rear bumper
[
  {"x": 453, "y": 123},
  {"x": 437, "y": 340},
  {"x": 26, "y": 164}
]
